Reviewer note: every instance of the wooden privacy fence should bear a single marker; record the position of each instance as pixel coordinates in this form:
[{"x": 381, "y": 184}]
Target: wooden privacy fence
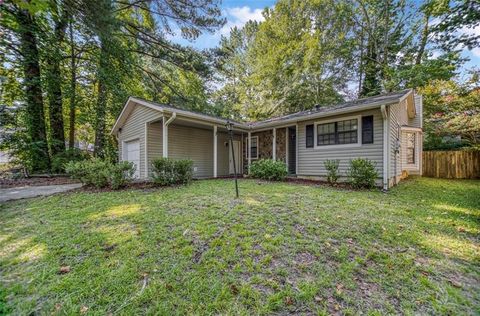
[{"x": 451, "y": 164}]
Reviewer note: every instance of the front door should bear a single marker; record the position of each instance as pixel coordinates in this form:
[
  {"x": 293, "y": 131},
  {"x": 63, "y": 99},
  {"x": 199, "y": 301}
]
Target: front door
[
  {"x": 292, "y": 150},
  {"x": 236, "y": 152}
]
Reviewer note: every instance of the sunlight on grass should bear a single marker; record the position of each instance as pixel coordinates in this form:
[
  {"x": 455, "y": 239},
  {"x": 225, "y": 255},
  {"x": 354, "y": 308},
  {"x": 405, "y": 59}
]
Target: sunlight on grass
[
  {"x": 118, "y": 211},
  {"x": 33, "y": 253},
  {"x": 14, "y": 245},
  {"x": 450, "y": 246},
  {"x": 117, "y": 233},
  {"x": 452, "y": 208},
  {"x": 251, "y": 201}
]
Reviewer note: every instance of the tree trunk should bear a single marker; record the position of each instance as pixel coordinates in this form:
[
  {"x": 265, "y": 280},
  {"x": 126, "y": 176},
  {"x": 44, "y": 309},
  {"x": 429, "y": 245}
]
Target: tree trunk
[
  {"x": 57, "y": 130},
  {"x": 73, "y": 84},
  {"x": 99, "y": 149},
  {"x": 35, "y": 116},
  {"x": 423, "y": 42}
]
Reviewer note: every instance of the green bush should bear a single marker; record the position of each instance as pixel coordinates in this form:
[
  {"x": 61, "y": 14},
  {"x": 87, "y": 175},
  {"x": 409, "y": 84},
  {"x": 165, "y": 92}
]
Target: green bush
[
  {"x": 167, "y": 171},
  {"x": 362, "y": 173},
  {"x": 59, "y": 161},
  {"x": 332, "y": 170},
  {"x": 100, "y": 173},
  {"x": 268, "y": 169},
  {"x": 121, "y": 174}
]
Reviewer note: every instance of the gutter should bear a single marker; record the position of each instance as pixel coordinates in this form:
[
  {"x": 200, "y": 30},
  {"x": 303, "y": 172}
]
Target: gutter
[
  {"x": 386, "y": 141},
  {"x": 171, "y": 119}
]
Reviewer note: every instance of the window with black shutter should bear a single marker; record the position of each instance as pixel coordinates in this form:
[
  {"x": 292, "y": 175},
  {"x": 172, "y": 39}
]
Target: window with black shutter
[
  {"x": 309, "y": 136},
  {"x": 367, "y": 129}
]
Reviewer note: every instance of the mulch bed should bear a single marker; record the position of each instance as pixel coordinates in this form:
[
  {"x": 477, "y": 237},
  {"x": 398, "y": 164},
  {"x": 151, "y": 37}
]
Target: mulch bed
[{"x": 34, "y": 181}]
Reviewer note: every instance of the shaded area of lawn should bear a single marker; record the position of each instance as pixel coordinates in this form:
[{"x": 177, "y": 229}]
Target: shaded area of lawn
[{"x": 279, "y": 248}]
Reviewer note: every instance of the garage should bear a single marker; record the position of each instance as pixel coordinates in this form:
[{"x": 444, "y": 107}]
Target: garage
[{"x": 132, "y": 154}]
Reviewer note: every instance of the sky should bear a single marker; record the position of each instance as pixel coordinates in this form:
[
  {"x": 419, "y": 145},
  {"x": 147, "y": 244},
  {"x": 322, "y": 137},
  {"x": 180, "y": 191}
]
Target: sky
[{"x": 238, "y": 12}]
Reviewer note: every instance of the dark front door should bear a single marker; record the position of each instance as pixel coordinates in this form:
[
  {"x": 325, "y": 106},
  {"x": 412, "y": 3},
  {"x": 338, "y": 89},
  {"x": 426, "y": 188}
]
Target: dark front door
[{"x": 292, "y": 150}]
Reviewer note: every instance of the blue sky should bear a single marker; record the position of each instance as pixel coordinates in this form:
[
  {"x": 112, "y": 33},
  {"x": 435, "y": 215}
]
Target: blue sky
[{"x": 238, "y": 12}]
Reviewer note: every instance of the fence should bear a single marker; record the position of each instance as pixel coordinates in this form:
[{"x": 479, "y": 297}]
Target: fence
[{"x": 451, "y": 164}]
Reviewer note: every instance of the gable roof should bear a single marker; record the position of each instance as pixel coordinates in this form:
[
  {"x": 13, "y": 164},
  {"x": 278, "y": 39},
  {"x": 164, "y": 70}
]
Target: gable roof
[{"x": 351, "y": 106}]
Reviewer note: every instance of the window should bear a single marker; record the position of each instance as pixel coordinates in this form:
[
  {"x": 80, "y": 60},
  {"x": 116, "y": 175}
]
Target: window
[
  {"x": 337, "y": 133},
  {"x": 254, "y": 147},
  {"x": 367, "y": 129},
  {"x": 309, "y": 136},
  {"x": 411, "y": 148}
]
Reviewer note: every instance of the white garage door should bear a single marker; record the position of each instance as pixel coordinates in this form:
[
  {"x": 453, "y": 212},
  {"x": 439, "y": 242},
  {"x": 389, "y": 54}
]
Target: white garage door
[{"x": 132, "y": 154}]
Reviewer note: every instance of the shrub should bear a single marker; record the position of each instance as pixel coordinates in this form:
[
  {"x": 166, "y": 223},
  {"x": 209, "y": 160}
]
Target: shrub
[
  {"x": 121, "y": 174},
  {"x": 167, "y": 171},
  {"x": 268, "y": 169},
  {"x": 362, "y": 173},
  {"x": 100, "y": 173},
  {"x": 60, "y": 160},
  {"x": 332, "y": 170}
]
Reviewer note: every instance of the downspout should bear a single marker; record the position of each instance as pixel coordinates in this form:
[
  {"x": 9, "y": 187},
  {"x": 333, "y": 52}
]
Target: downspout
[
  {"x": 386, "y": 162},
  {"x": 165, "y": 133}
]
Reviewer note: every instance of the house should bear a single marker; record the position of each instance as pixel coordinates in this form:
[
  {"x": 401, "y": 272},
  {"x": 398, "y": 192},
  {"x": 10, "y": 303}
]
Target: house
[{"x": 387, "y": 129}]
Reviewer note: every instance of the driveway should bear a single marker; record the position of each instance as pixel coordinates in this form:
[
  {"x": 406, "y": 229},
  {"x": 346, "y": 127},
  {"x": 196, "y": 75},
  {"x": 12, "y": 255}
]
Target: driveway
[{"x": 33, "y": 191}]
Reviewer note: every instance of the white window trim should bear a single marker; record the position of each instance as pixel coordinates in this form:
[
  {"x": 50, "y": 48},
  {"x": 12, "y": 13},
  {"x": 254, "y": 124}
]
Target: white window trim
[
  {"x": 252, "y": 137},
  {"x": 359, "y": 132},
  {"x": 415, "y": 149}
]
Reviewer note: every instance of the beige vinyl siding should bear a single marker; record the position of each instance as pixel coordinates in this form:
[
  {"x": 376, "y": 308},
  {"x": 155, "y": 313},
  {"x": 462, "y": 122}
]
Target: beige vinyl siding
[
  {"x": 411, "y": 168},
  {"x": 154, "y": 144},
  {"x": 417, "y": 121},
  {"x": 310, "y": 161},
  {"x": 192, "y": 143},
  {"x": 397, "y": 118},
  {"x": 134, "y": 128}
]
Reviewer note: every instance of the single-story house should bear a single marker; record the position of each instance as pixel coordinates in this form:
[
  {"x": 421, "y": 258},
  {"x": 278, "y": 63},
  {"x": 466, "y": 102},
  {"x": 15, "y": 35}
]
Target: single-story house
[{"x": 387, "y": 129}]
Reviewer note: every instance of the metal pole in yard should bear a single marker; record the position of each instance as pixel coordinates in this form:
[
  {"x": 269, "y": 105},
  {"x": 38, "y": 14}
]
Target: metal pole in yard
[{"x": 230, "y": 132}]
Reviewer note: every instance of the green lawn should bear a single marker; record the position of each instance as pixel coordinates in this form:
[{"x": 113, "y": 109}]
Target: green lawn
[{"x": 280, "y": 248}]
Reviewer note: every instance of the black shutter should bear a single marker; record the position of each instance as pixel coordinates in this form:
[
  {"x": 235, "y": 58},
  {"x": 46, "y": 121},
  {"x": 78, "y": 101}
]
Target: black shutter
[
  {"x": 309, "y": 136},
  {"x": 367, "y": 129}
]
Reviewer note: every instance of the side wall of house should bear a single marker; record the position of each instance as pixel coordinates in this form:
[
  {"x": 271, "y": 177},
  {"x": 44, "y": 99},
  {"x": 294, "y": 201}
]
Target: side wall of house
[
  {"x": 399, "y": 122},
  {"x": 134, "y": 129},
  {"x": 311, "y": 160}
]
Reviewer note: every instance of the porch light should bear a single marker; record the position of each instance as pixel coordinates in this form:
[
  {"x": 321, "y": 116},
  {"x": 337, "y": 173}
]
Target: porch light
[{"x": 229, "y": 127}]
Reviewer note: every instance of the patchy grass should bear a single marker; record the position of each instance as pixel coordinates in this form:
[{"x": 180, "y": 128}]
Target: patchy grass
[{"x": 280, "y": 248}]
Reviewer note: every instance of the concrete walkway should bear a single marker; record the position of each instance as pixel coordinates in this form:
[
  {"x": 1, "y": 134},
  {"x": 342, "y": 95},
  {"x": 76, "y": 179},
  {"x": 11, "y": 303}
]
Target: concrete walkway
[{"x": 33, "y": 191}]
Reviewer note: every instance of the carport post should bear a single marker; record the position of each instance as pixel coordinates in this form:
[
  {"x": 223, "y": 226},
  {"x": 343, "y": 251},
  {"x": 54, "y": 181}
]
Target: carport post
[
  {"x": 274, "y": 145},
  {"x": 215, "y": 144},
  {"x": 249, "y": 150}
]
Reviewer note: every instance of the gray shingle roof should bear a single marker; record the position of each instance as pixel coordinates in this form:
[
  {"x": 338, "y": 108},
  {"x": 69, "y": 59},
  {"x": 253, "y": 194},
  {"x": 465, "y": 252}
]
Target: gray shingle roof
[{"x": 387, "y": 98}]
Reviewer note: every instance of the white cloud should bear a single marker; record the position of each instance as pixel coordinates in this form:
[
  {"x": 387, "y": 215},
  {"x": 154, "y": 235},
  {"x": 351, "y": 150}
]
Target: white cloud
[{"x": 238, "y": 16}]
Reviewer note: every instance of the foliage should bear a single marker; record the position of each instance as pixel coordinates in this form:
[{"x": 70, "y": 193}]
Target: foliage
[
  {"x": 332, "y": 170},
  {"x": 100, "y": 173},
  {"x": 61, "y": 159},
  {"x": 167, "y": 171},
  {"x": 451, "y": 117},
  {"x": 362, "y": 173},
  {"x": 268, "y": 169},
  {"x": 121, "y": 174}
]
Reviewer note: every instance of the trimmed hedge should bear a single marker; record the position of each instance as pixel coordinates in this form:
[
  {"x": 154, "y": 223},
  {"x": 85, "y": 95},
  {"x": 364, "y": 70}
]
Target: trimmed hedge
[
  {"x": 268, "y": 169},
  {"x": 167, "y": 171}
]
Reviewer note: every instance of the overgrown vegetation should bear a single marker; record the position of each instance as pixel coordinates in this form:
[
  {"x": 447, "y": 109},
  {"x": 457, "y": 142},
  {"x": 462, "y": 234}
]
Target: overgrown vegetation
[
  {"x": 67, "y": 67},
  {"x": 268, "y": 169},
  {"x": 362, "y": 173},
  {"x": 332, "y": 170},
  {"x": 280, "y": 248},
  {"x": 101, "y": 173},
  {"x": 167, "y": 171}
]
